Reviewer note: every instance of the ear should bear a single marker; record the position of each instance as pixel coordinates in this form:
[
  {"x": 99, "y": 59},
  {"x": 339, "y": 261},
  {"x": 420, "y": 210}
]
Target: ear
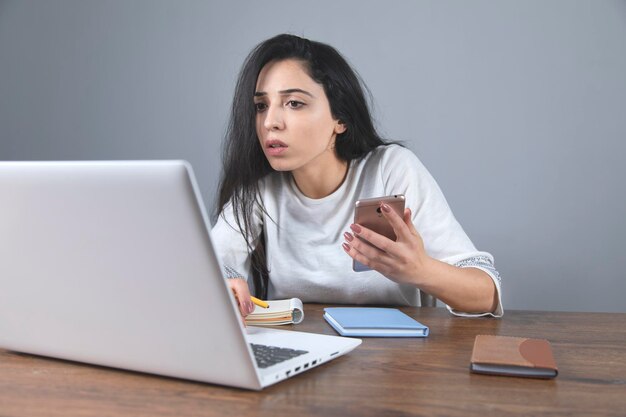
[{"x": 340, "y": 127}]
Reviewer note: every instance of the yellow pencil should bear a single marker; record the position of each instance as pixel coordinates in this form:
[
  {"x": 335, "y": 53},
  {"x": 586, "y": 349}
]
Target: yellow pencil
[{"x": 260, "y": 303}]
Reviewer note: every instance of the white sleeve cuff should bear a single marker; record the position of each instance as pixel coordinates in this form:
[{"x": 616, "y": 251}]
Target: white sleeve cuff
[
  {"x": 484, "y": 264},
  {"x": 230, "y": 273}
]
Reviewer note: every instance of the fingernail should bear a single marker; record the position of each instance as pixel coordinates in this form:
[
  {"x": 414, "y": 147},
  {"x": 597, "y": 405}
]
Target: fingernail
[
  {"x": 250, "y": 307},
  {"x": 346, "y": 247},
  {"x": 348, "y": 236},
  {"x": 386, "y": 208},
  {"x": 355, "y": 228}
]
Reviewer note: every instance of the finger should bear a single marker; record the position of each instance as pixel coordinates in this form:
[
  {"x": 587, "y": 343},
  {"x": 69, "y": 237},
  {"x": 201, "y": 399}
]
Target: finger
[
  {"x": 243, "y": 309},
  {"x": 409, "y": 221},
  {"x": 396, "y": 222},
  {"x": 242, "y": 294},
  {"x": 354, "y": 254},
  {"x": 363, "y": 247},
  {"x": 370, "y": 257},
  {"x": 379, "y": 241}
]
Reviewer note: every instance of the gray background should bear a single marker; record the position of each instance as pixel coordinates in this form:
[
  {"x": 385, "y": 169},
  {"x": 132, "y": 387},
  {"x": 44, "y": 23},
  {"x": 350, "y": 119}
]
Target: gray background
[{"x": 517, "y": 108}]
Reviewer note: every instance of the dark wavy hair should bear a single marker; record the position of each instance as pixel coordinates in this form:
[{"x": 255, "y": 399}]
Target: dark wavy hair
[{"x": 244, "y": 162}]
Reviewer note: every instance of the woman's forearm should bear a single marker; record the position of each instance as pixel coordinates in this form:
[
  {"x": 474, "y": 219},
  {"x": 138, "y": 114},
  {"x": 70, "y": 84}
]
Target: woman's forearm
[{"x": 470, "y": 290}]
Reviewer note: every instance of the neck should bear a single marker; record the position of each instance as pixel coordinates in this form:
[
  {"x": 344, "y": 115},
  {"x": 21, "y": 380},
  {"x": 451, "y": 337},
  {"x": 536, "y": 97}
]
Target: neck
[{"x": 320, "y": 182}]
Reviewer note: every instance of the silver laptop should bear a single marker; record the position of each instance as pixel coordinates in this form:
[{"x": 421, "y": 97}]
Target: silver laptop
[{"x": 112, "y": 263}]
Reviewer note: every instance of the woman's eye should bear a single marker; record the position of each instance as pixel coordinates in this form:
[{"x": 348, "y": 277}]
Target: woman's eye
[
  {"x": 294, "y": 104},
  {"x": 260, "y": 107}
]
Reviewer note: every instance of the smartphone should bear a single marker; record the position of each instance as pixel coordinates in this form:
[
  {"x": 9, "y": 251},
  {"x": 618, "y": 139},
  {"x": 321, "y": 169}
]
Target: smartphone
[{"x": 367, "y": 212}]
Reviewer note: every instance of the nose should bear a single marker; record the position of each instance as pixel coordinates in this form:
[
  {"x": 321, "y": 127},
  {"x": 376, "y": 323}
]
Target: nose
[{"x": 273, "y": 118}]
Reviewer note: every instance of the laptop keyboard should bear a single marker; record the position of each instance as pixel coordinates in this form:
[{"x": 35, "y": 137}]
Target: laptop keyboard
[{"x": 267, "y": 356}]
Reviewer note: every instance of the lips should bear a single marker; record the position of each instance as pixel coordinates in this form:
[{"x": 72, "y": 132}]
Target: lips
[
  {"x": 274, "y": 147},
  {"x": 275, "y": 143}
]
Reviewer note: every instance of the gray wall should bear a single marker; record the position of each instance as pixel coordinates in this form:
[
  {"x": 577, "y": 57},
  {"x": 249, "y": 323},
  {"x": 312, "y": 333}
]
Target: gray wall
[{"x": 517, "y": 108}]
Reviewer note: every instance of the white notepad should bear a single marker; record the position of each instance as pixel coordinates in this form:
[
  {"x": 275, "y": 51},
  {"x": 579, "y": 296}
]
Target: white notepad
[{"x": 288, "y": 311}]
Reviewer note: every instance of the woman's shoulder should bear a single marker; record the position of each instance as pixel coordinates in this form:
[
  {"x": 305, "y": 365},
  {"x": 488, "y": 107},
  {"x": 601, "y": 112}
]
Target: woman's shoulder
[
  {"x": 392, "y": 151},
  {"x": 394, "y": 157}
]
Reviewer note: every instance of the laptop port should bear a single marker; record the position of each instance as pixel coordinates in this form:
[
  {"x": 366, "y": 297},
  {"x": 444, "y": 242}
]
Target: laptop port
[
  {"x": 287, "y": 374},
  {"x": 306, "y": 365},
  {"x": 314, "y": 362},
  {"x": 297, "y": 369}
]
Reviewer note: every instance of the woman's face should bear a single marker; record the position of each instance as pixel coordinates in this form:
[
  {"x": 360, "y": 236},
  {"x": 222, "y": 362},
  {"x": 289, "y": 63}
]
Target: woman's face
[{"x": 293, "y": 119}]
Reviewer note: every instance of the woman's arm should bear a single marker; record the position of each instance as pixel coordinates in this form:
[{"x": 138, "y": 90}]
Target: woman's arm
[
  {"x": 232, "y": 249},
  {"x": 239, "y": 286},
  {"x": 464, "y": 289},
  {"x": 405, "y": 261}
]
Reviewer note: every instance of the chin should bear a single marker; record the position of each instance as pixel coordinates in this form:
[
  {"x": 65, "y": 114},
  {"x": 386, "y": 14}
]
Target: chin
[{"x": 280, "y": 166}]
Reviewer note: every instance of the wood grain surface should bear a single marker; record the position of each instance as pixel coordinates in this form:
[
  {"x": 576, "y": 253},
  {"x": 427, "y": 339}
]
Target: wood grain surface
[{"x": 382, "y": 377}]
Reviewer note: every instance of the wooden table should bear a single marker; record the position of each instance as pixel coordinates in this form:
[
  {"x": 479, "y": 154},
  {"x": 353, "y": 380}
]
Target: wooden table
[{"x": 382, "y": 377}]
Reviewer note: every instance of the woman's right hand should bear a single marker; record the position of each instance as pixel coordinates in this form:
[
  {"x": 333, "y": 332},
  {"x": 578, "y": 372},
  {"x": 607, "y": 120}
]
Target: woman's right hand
[{"x": 240, "y": 289}]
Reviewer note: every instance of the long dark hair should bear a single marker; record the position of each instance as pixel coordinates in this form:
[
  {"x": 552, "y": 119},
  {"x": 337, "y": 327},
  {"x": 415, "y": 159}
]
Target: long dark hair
[{"x": 244, "y": 162}]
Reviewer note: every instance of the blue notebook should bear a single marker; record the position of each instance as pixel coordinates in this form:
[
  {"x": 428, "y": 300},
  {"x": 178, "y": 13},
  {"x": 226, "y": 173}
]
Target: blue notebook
[{"x": 373, "y": 322}]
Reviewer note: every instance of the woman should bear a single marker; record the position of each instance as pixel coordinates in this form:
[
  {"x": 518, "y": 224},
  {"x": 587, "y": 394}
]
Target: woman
[{"x": 300, "y": 150}]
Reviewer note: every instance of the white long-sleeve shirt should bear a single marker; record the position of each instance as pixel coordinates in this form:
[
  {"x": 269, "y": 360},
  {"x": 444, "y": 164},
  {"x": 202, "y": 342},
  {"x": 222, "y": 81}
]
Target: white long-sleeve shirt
[{"x": 303, "y": 236}]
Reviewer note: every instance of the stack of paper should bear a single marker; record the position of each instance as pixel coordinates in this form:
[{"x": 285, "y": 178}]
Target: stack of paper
[{"x": 279, "y": 312}]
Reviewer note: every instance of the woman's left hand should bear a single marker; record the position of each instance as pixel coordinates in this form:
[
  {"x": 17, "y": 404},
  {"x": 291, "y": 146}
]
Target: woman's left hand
[{"x": 403, "y": 261}]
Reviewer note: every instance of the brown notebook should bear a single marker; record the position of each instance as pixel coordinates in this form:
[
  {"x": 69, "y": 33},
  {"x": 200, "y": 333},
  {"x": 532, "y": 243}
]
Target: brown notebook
[{"x": 513, "y": 356}]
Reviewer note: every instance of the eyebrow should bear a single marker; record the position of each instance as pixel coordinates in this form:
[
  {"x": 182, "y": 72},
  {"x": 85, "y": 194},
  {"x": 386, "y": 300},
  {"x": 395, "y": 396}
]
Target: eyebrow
[{"x": 285, "y": 92}]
